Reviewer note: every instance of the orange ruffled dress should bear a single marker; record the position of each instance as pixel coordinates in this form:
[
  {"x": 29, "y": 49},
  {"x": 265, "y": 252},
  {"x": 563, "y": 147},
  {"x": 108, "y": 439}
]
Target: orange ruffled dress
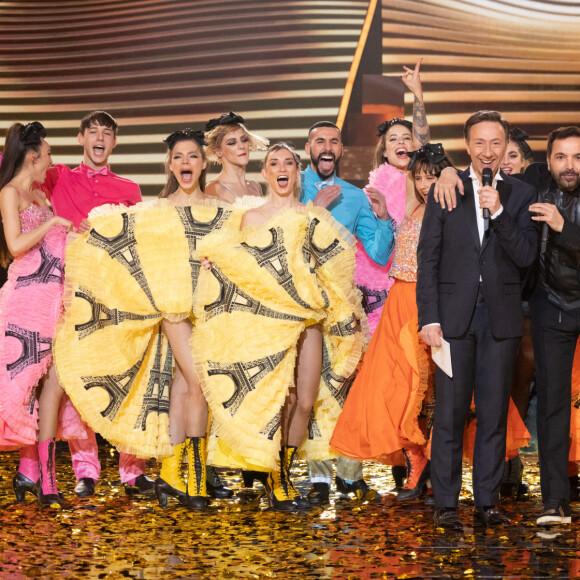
[
  {"x": 392, "y": 398},
  {"x": 575, "y": 409},
  {"x": 394, "y": 382}
]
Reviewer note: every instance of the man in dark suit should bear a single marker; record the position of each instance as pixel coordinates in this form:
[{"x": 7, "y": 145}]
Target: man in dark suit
[{"x": 468, "y": 292}]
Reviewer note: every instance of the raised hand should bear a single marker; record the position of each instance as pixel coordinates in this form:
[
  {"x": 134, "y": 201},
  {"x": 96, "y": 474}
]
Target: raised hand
[
  {"x": 327, "y": 195},
  {"x": 412, "y": 79},
  {"x": 378, "y": 203}
]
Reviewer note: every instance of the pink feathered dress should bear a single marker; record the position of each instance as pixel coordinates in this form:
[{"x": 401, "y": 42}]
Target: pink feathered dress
[{"x": 371, "y": 278}]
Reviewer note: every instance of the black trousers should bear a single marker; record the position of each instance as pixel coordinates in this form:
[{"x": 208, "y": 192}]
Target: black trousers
[
  {"x": 555, "y": 334},
  {"x": 483, "y": 368}
]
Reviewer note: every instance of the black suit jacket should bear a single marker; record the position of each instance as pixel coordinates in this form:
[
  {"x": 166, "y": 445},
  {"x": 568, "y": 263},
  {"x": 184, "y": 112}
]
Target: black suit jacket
[{"x": 451, "y": 260}]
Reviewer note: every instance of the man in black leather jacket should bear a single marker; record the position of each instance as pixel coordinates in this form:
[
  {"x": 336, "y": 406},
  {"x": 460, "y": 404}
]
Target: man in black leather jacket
[{"x": 555, "y": 312}]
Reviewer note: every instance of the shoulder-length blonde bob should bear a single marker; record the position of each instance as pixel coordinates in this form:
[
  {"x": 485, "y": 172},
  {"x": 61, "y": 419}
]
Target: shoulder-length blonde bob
[{"x": 216, "y": 136}]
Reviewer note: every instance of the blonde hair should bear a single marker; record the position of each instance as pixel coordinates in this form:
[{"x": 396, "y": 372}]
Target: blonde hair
[
  {"x": 278, "y": 147},
  {"x": 216, "y": 136}
]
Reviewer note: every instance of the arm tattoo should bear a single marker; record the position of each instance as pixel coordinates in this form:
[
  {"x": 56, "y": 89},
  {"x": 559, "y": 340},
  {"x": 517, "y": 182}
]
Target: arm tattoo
[{"x": 421, "y": 132}]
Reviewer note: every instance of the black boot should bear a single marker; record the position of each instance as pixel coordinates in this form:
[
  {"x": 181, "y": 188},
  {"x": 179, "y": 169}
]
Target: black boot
[
  {"x": 215, "y": 486},
  {"x": 197, "y": 497},
  {"x": 249, "y": 477},
  {"x": 359, "y": 487},
  {"x": 21, "y": 484},
  {"x": 399, "y": 472},
  {"x": 512, "y": 477}
]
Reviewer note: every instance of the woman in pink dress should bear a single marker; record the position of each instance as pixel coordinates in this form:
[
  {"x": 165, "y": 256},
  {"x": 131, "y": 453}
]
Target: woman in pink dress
[
  {"x": 390, "y": 179},
  {"x": 29, "y": 307}
]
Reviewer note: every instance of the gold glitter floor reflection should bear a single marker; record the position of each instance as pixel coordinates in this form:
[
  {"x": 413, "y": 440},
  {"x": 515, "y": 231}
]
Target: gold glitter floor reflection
[{"x": 115, "y": 536}]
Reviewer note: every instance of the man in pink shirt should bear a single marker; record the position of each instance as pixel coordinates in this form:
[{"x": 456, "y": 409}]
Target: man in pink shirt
[{"x": 73, "y": 193}]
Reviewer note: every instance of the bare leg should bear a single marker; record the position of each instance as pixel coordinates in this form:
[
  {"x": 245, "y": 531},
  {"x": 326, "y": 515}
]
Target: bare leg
[
  {"x": 194, "y": 414},
  {"x": 178, "y": 399},
  {"x": 48, "y": 405},
  {"x": 308, "y": 370}
]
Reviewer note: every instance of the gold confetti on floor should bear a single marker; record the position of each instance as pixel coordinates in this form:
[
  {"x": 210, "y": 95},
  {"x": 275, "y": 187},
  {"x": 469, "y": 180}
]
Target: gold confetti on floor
[{"x": 113, "y": 535}]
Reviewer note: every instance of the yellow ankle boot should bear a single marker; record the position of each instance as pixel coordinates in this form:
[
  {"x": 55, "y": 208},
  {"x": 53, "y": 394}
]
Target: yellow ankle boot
[{"x": 170, "y": 481}]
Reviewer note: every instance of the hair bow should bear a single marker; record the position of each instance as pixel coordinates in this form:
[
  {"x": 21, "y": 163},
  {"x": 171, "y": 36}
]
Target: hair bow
[
  {"x": 230, "y": 118},
  {"x": 185, "y": 135},
  {"x": 520, "y": 137},
  {"x": 433, "y": 152},
  {"x": 34, "y": 128},
  {"x": 386, "y": 125}
]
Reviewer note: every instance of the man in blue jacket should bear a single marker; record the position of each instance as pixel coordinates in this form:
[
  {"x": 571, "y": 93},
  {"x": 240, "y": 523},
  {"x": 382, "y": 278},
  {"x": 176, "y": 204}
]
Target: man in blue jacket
[{"x": 366, "y": 218}]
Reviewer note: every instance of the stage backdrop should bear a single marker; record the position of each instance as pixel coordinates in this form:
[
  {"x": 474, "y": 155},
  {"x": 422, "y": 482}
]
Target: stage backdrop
[{"x": 159, "y": 65}]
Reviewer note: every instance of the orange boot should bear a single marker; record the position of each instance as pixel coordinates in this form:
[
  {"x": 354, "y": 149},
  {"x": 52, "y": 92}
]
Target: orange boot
[{"x": 417, "y": 472}]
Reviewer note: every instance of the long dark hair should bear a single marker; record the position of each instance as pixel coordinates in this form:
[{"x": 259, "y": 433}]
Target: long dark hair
[
  {"x": 182, "y": 135},
  {"x": 20, "y": 140}
]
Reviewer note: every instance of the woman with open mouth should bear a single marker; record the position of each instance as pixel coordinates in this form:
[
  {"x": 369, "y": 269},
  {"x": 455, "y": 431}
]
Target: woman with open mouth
[
  {"x": 133, "y": 278},
  {"x": 390, "y": 179},
  {"x": 389, "y": 406},
  {"x": 188, "y": 413},
  {"x": 518, "y": 155},
  {"x": 276, "y": 356},
  {"x": 230, "y": 145}
]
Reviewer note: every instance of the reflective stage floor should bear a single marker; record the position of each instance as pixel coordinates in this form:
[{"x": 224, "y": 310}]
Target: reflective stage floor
[{"x": 112, "y": 535}]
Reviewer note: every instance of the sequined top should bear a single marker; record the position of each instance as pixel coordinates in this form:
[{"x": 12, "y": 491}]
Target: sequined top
[
  {"x": 405, "y": 255},
  {"x": 33, "y": 216}
]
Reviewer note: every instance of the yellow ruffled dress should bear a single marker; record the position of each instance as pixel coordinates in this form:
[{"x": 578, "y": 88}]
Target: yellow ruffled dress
[
  {"x": 261, "y": 293},
  {"x": 135, "y": 267},
  {"x": 139, "y": 265}
]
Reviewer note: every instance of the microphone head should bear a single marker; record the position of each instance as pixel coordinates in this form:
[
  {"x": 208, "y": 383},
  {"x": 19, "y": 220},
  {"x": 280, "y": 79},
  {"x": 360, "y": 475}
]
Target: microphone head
[{"x": 486, "y": 176}]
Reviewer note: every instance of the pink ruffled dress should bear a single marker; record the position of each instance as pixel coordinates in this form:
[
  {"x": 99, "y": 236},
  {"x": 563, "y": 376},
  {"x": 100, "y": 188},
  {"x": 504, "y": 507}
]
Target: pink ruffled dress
[
  {"x": 30, "y": 305},
  {"x": 373, "y": 279}
]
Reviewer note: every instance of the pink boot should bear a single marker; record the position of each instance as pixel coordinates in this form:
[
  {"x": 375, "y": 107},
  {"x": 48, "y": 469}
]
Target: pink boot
[
  {"x": 26, "y": 478},
  {"x": 47, "y": 489}
]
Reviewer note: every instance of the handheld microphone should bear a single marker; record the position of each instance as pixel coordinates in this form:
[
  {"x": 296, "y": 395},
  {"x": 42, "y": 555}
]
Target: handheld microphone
[{"x": 486, "y": 179}]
